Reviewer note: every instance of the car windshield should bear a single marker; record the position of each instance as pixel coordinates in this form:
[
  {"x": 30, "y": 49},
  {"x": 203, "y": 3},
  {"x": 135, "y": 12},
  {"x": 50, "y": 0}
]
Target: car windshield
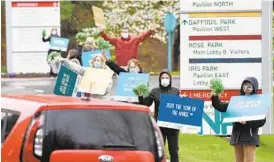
[{"x": 98, "y": 129}]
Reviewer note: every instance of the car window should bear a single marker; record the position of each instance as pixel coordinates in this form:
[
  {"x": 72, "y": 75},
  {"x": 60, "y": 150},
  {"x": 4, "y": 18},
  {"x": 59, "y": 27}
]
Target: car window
[
  {"x": 8, "y": 120},
  {"x": 88, "y": 129}
]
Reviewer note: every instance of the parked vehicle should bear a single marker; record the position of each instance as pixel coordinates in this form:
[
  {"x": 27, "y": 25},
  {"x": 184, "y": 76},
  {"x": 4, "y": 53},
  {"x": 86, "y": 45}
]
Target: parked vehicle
[{"x": 49, "y": 128}]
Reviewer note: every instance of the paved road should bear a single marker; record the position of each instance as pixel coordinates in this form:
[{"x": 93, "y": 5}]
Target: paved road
[{"x": 46, "y": 85}]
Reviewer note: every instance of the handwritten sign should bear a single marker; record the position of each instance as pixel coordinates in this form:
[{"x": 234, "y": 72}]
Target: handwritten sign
[
  {"x": 87, "y": 56},
  {"x": 126, "y": 83},
  {"x": 247, "y": 108},
  {"x": 96, "y": 81},
  {"x": 67, "y": 82},
  {"x": 58, "y": 43},
  {"x": 180, "y": 113},
  {"x": 98, "y": 16}
]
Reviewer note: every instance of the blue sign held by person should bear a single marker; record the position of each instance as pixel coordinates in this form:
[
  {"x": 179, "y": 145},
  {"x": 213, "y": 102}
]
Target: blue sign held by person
[
  {"x": 58, "y": 43},
  {"x": 67, "y": 82},
  {"x": 180, "y": 113},
  {"x": 87, "y": 56},
  {"x": 126, "y": 83},
  {"x": 246, "y": 108}
]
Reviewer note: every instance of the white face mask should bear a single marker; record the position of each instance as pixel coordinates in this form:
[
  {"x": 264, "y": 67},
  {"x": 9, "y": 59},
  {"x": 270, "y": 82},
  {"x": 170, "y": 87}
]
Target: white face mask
[
  {"x": 134, "y": 70},
  {"x": 53, "y": 32},
  {"x": 165, "y": 82},
  {"x": 124, "y": 35}
]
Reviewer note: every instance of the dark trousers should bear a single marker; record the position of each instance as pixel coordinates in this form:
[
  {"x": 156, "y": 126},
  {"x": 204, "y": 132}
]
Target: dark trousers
[{"x": 172, "y": 136}]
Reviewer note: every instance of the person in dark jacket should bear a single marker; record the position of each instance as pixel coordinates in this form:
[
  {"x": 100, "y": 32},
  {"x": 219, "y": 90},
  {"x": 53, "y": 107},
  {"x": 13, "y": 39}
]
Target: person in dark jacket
[
  {"x": 165, "y": 87},
  {"x": 133, "y": 65},
  {"x": 244, "y": 135},
  {"x": 53, "y": 34}
]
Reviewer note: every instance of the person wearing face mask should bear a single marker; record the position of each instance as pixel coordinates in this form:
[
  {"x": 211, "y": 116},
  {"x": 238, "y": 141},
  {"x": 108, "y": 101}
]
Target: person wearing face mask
[
  {"x": 71, "y": 61},
  {"x": 98, "y": 62},
  {"x": 73, "y": 64},
  {"x": 89, "y": 45},
  {"x": 53, "y": 34},
  {"x": 133, "y": 66},
  {"x": 165, "y": 87},
  {"x": 126, "y": 46},
  {"x": 244, "y": 135}
]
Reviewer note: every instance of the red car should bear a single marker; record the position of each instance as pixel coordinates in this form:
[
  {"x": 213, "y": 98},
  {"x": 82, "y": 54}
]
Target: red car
[{"x": 49, "y": 128}]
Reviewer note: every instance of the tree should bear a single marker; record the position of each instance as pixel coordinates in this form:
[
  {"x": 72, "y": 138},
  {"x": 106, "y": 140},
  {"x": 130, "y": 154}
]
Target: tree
[{"x": 138, "y": 15}]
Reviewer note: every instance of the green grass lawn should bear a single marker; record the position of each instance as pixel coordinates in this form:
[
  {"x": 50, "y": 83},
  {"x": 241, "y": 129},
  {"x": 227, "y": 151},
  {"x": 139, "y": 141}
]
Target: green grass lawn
[{"x": 194, "y": 148}]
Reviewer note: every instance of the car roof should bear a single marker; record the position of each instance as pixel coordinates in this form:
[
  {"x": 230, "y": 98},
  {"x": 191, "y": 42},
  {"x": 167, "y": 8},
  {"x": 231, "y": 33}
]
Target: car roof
[{"x": 36, "y": 101}]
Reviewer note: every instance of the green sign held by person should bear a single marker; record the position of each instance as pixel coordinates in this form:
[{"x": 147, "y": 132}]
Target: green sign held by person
[{"x": 67, "y": 82}]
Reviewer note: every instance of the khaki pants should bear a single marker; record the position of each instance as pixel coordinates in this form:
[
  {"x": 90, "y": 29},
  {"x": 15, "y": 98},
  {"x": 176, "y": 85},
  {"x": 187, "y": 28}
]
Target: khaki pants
[{"x": 244, "y": 153}]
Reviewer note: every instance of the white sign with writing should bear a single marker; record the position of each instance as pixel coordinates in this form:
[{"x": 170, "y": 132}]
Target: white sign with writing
[
  {"x": 221, "y": 25},
  {"x": 25, "y": 39},
  {"x": 213, "y": 5},
  {"x": 232, "y": 74},
  {"x": 224, "y": 49},
  {"x": 25, "y": 22}
]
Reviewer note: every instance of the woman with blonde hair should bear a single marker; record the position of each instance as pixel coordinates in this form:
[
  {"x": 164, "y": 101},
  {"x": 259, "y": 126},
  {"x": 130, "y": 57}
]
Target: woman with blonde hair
[
  {"x": 98, "y": 61},
  {"x": 133, "y": 66},
  {"x": 73, "y": 64}
]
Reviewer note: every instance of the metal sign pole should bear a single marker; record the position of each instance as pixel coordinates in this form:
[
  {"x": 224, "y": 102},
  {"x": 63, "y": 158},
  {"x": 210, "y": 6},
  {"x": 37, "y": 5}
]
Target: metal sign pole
[
  {"x": 267, "y": 64},
  {"x": 8, "y": 37},
  {"x": 170, "y": 23}
]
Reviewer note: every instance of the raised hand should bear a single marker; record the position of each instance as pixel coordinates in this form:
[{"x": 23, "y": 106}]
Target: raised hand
[
  {"x": 101, "y": 28},
  {"x": 141, "y": 90},
  {"x": 43, "y": 33},
  {"x": 104, "y": 55},
  {"x": 216, "y": 87},
  {"x": 153, "y": 27}
]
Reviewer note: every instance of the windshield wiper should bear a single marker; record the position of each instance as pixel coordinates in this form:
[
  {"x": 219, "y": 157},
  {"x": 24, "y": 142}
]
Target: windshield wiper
[{"x": 131, "y": 147}]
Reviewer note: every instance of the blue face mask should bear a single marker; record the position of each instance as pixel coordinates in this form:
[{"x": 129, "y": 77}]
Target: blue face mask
[{"x": 97, "y": 65}]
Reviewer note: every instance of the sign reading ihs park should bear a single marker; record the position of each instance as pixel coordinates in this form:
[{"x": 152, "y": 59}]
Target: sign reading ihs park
[{"x": 219, "y": 40}]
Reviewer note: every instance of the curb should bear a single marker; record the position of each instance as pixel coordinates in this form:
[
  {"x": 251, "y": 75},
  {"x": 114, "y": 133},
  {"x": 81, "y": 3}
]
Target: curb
[
  {"x": 48, "y": 78},
  {"x": 25, "y": 79}
]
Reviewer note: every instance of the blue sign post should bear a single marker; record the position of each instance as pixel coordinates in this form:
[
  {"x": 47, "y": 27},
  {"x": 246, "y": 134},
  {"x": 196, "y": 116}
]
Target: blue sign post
[
  {"x": 170, "y": 24},
  {"x": 181, "y": 113}
]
